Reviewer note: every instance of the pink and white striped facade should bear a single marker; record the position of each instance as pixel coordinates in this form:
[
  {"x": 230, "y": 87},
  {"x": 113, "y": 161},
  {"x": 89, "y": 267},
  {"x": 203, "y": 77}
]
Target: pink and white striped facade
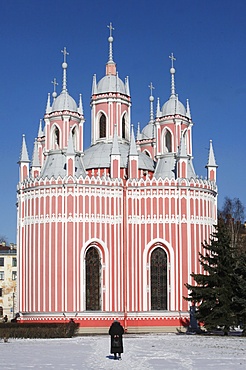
[{"x": 123, "y": 196}]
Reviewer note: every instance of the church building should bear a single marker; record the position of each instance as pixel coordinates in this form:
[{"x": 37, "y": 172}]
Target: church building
[{"x": 112, "y": 231}]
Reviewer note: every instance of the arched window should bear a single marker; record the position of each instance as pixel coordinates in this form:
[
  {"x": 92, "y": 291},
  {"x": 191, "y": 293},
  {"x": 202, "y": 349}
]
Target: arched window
[
  {"x": 56, "y": 138},
  {"x": 74, "y": 136},
  {"x": 102, "y": 126},
  {"x": 93, "y": 279},
  {"x": 158, "y": 266},
  {"x": 168, "y": 141},
  {"x": 124, "y": 126}
]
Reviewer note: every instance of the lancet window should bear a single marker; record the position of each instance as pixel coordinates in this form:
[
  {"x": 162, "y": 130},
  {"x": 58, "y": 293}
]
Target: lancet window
[
  {"x": 102, "y": 126},
  {"x": 158, "y": 266},
  {"x": 168, "y": 141},
  {"x": 124, "y": 126},
  {"x": 93, "y": 277},
  {"x": 56, "y": 138}
]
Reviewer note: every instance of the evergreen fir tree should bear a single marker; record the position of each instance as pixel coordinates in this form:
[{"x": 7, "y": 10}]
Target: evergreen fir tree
[
  {"x": 213, "y": 291},
  {"x": 239, "y": 287}
]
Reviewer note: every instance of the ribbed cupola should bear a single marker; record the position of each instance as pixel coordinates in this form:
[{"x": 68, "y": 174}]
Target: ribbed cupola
[{"x": 110, "y": 103}]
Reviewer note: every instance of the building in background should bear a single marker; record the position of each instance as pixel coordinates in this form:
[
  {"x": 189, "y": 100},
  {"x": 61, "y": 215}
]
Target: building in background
[
  {"x": 114, "y": 230},
  {"x": 8, "y": 280}
]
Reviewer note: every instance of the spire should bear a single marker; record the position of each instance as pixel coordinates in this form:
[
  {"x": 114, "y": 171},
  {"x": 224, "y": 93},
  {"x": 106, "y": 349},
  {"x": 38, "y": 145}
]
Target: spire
[
  {"x": 80, "y": 108},
  {"x": 188, "y": 114},
  {"x": 151, "y": 99},
  {"x": 94, "y": 85},
  {"x": 110, "y": 66},
  {"x": 115, "y": 147},
  {"x": 48, "y": 106},
  {"x": 133, "y": 147},
  {"x": 24, "y": 154},
  {"x": 172, "y": 71},
  {"x": 211, "y": 166},
  {"x": 138, "y": 132},
  {"x": 110, "y": 40},
  {"x": 158, "y": 108},
  {"x": 127, "y": 86},
  {"x": 40, "y": 130},
  {"x": 211, "y": 157},
  {"x": 35, "y": 157},
  {"x": 64, "y": 66}
]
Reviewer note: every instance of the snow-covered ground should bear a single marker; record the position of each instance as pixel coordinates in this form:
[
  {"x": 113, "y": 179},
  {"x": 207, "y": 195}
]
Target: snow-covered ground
[{"x": 156, "y": 351}]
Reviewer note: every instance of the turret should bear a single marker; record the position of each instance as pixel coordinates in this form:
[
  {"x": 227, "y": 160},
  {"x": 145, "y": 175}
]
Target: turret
[
  {"x": 70, "y": 165},
  {"x": 182, "y": 159},
  {"x": 110, "y": 103},
  {"x": 35, "y": 166},
  {"x": 133, "y": 158},
  {"x": 211, "y": 165},
  {"x": 24, "y": 161},
  {"x": 115, "y": 158}
]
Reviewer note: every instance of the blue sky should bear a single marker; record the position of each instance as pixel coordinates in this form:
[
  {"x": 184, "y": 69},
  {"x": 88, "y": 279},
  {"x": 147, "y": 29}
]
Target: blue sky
[{"x": 207, "y": 38}]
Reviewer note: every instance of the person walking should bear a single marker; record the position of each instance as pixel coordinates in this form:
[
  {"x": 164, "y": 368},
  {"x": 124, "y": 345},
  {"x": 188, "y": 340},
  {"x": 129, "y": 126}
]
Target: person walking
[{"x": 116, "y": 331}]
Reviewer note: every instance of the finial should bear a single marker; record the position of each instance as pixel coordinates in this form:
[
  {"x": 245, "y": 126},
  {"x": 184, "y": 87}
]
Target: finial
[
  {"x": 54, "y": 83},
  {"x": 80, "y": 108},
  {"x": 48, "y": 107},
  {"x": 172, "y": 71},
  {"x": 172, "y": 60},
  {"x": 64, "y": 66},
  {"x": 64, "y": 52},
  {"x": 188, "y": 109},
  {"x": 151, "y": 99},
  {"x": 110, "y": 40},
  {"x": 158, "y": 108}
]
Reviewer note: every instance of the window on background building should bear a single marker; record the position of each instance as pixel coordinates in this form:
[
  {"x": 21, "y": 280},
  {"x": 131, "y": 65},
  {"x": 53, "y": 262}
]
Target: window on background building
[
  {"x": 1, "y": 311},
  {"x": 1, "y": 275},
  {"x": 14, "y": 275},
  {"x": 1, "y": 292},
  {"x": 14, "y": 262},
  {"x": 1, "y": 261}
]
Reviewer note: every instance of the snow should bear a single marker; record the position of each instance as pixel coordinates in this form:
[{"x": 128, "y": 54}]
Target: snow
[{"x": 154, "y": 351}]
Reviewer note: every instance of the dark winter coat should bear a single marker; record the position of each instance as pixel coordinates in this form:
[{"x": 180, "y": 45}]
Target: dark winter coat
[{"x": 116, "y": 331}]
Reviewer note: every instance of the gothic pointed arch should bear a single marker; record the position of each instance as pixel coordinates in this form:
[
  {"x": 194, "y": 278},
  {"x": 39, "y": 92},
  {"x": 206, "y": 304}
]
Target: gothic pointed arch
[
  {"x": 167, "y": 141},
  {"x": 123, "y": 126},
  {"x": 93, "y": 279},
  {"x": 147, "y": 153},
  {"x": 75, "y": 136},
  {"x": 102, "y": 126},
  {"x": 55, "y": 137},
  {"x": 158, "y": 279}
]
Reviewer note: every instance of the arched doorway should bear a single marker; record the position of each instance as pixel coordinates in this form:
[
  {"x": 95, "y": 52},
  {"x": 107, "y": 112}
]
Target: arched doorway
[
  {"x": 158, "y": 279},
  {"x": 93, "y": 280}
]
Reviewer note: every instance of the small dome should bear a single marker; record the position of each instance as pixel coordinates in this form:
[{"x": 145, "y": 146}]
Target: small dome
[
  {"x": 173, "y": 106},
  {"x": 149, "y": 131},
  {"x": 64, "y": 102},
  {"x": 111, "y": 83}
]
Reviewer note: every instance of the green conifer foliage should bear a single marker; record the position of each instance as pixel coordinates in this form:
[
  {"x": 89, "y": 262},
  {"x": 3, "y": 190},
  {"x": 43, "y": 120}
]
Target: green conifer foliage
[{"x": 213, "y": 289}]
